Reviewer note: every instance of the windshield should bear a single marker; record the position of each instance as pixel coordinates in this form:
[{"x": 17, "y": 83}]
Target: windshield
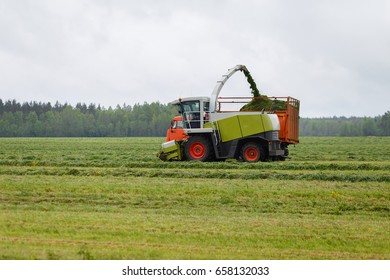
[
  {"x": 191, "y": 114},
  {"x": 190, "y": 106}
]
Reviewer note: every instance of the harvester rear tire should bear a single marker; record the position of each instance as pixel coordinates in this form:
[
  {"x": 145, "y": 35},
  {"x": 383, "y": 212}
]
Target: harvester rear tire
[
  {"x": 252, "y": 152},
  {"x": 197, "y": 148}
]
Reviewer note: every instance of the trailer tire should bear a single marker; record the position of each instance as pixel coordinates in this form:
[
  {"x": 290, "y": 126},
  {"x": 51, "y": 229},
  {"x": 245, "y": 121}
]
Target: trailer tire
[
  {"x": 252, "y": 152},
  {"x": 197, "y": 148}
]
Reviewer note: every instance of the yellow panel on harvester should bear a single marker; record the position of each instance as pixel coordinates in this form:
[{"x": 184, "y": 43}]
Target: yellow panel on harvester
[
  {"x": 229, "y": 129},
  {"x": 267, "y": 123},
  {"x": 251, "y": 124}
]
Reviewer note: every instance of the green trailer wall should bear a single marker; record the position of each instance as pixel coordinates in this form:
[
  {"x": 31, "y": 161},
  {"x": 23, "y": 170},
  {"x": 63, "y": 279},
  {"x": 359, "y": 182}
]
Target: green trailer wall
[{"x": 240, "y": 126}]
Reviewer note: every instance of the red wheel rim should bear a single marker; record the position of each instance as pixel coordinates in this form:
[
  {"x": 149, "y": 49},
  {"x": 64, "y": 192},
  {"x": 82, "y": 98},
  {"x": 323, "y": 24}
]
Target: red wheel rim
[
  {"x": 251, "y": 154},
  {"x": 197, "y": 150}
]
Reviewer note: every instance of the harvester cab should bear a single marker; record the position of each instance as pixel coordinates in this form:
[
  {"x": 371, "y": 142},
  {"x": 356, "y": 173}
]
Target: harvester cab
[
  {"x": 205, "y": 132},
  {"x": 194, "y": 111}
]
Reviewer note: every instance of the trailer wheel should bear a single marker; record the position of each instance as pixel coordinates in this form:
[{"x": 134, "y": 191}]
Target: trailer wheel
[
  {"x": 197, "y": 148},
  {"x": 252, "y": 152}
]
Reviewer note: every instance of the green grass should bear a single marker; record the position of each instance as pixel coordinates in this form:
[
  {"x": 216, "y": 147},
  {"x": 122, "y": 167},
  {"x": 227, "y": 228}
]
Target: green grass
[{"x": 111, "y": 198}]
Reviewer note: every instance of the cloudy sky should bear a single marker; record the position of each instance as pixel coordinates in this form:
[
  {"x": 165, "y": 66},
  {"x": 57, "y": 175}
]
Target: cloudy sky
[{"x": 334, "y": 56}]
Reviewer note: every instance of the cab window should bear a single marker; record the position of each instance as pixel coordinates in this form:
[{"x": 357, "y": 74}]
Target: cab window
[
  {"x": 191, "y": 106},
  {"x": 191, "y": 114},
  {"x": 179, "y": 124}
]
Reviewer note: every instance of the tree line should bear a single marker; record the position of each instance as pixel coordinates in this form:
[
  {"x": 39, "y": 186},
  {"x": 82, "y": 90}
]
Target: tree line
[
  {"x": 342, "y": 126},
  {"x": 37, "y": 119}
]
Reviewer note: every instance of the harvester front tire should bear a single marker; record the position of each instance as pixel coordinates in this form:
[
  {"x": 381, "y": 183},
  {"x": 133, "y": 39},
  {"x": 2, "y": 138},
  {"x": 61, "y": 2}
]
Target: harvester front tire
[
  {"x": 252, "y": 152},
  {"x": 197, "y": 148}
]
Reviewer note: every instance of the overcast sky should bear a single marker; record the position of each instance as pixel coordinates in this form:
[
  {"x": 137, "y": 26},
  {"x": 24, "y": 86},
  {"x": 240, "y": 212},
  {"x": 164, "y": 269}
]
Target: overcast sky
[{"x": 334, "y": 56}]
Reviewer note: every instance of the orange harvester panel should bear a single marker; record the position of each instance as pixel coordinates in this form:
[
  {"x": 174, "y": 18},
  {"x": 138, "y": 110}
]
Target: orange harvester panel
[{"x": 289, "y": 122}]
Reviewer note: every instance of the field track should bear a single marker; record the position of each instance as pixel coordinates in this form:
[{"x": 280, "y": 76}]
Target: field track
[{"x": 111, "y": 198}]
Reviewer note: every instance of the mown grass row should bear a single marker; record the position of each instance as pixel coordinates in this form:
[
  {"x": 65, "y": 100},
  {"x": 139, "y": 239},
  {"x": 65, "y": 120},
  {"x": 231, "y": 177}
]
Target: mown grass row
[
  {"x": 116, "y": 152},
  {"x": 262, "y": 196},
  {"x": 247, "y": 174},
  {"x": 38, "y": 161}
]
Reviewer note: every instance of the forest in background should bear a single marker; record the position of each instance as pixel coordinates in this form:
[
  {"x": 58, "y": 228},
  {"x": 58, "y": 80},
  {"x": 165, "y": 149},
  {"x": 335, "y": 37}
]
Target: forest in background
[{"x": 37, "y": 119}]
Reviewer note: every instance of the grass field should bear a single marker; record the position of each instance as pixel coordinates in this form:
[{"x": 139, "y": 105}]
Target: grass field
[{"x": 111, "y": 198}]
